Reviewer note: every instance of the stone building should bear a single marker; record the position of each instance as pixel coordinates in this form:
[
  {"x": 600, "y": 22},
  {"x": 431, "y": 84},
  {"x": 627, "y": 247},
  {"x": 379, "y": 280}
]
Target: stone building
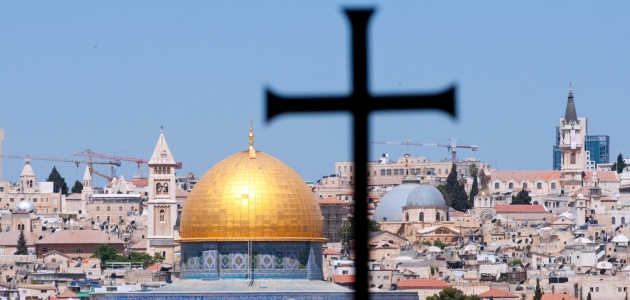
[
  {"x": 335, "y": 213},
  {"x": 41, "y": 194},
  {"x": 113, "y": 208},
  {"x": 77, "y": 243}
]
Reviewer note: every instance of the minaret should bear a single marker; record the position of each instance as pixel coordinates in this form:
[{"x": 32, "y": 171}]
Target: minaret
[
  {"x": 573, "y": 131},
  {"x": 162, "y": 205},
  {"x": 28, "y": 182},
  {"x": 87, "y": 189}
]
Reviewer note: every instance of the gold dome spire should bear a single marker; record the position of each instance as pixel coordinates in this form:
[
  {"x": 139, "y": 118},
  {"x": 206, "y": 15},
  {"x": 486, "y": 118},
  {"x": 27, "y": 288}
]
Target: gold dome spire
[
  {"x": 252, "y": 151},
  {"x": 242, "y": 199}
]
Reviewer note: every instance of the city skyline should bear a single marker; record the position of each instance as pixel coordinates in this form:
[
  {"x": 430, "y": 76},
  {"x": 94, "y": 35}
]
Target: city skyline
[{"x": 99, "y": 77}]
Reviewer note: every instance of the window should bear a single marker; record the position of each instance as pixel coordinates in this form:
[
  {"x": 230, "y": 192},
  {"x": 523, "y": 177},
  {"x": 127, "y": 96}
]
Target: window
[
  {"x": 98, "y": 219},
  {"x": 510, "y": 185},
  {"x": 162, "y": 215},
  {"x": 613, "y": 220},
  {"x": 370, "y": 277},
  {"x": 383, "y": 172},
  {"x": 55, "y": 210},
  {"x": 553, "y": 185},
  {"x": 496, "y": 185},
  {"x": 45, "y": 250},
  {"x": 350, "y": 168},
  {"x": 34, "y": 199},
  {"x": 623, "y": 220},
  {"x": 120, "y": 208},
  {"x": 375, "y": 173},
  {"x": 98, "y": 208},
  {"x": 346, "y": 272},
  {"x": 421, "y": 217},
  {"x": 108, "y": 208},
  {"x": 596, "y": 289},
  {"x": 539, "y": 185},
  {"x": 407, "y": 217},
  {"x": 344, "y": 169},
  {"x": 11, "y": 200},
  {"x": 338, "y": 169},
  {"x": 395, "y": 172},
  {"x": 386, "y": 277},
  {"x": 524, "y": 185},
  {"x": 389, "y": 172},
  {"x": 437, "y": 216},
  {"x": 1, "y": 189},
  {"x": 572, "y": 158},
  {"x": 120, "y": 218}
]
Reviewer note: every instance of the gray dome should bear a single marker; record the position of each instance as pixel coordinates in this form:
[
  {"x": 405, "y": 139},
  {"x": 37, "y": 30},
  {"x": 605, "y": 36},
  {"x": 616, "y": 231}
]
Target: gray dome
[
  {"x": 425, "y": 195},
  {"x": 26, "y": 206},
  {"x": 392, "y": 203}
]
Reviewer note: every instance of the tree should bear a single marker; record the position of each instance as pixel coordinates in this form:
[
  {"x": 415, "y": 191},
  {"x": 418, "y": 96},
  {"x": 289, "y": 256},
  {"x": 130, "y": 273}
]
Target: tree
[
  {"x": 59, "y": 183},
  {"x": 459, "y": 198},
  {"x": 78, "y": 187},
  {"x": 522, "y": 197},
  {"x": 346, "y": 233},
  {"x": 620, "y": 164},
  {"x": 588, "y": 297},
  {"x": 523, "y": 297},
  {"x": 21, "y": 244},
  {"x": 538, "y": 293},
  {"x": 105, "y": 253},
  {"x": 374, "y": 226},
  {"x": 474, "y": 190},
  {"x": 472, "y": 169},
  {"x": 452, "y": 294}
]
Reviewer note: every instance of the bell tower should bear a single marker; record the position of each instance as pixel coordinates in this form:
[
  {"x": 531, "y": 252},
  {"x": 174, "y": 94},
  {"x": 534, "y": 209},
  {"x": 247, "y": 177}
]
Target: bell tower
[
  {"x": 162, "y": 206},
  {"x": 572, "y": 142},
  {"x": 87, "y": 189}
]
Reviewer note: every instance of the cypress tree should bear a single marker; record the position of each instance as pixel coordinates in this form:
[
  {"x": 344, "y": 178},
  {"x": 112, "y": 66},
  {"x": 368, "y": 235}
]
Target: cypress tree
[
  {"x": 21, "y": 244},
  {"x": 473, "y": 192},
  {"x": 538, "y": 293},
  {"x": 59, "y": 183},
  {"x": 589, "y": 296},
  {"x": 78, "y": 187},
  {"x": 621, "y": 164}
]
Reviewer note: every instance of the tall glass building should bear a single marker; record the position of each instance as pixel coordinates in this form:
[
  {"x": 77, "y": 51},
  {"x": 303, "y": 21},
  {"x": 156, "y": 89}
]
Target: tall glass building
[
  {"x": 598, "y": 147},
  {"x": 557, "y": 154}
]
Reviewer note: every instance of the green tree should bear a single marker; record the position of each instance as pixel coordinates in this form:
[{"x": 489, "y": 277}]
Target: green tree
[
  {"x": 523, "y": 297},
  {"x": 346, "y": 233},
  {"x": 78, "y": 187},
  {"x": 106, "y": 253},
  {"x": 522, "y": 197},
  {"x": 59, "y": 183},
  {"x": 516, "y": 262},
  {"x": 21, "y": 244},
  {"x": 472, "y": 169},
  {"x": 588, "y": 297},
  {"x": 452, "y": 294},
  {"x": 620, "y": 164},
  {"x": 459, "y": 198},
  {"x": 538, "y": 293},
  {"x": 451, "y": 180},
  {"x": 144, "y": 258},
  {"x": 474, "y": 190},
  {"x": 374, "y": 226}
]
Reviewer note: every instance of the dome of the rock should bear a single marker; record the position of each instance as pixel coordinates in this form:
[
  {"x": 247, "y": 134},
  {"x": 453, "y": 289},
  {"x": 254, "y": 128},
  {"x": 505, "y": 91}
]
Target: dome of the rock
[{"x": 251, "y": 197}]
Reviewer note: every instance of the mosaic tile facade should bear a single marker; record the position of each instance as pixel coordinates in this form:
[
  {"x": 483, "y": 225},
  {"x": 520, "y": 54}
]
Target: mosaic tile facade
[{"x": 215, "y": 260}]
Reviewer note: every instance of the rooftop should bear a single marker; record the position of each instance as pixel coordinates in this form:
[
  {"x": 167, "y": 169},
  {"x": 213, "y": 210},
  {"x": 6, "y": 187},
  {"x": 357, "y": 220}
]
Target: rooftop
[{"x": 423, "y": 284}]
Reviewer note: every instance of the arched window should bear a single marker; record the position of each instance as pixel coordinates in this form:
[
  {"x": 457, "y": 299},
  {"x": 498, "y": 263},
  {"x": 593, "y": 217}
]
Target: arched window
[
  {"x": 510, "y": 185},
  {"x": 539, "y": 185},
  {"x": 120, "y": 208},
  {"x": 407, "y": 217},
  {"x": 437, "y": 216},
  {"x": 553, "y": 185},
  {"x": 164, "y": 254},
  {"x": 524, "y": 185},
  {"x": 162, "y": 215},
  {"x": 572, "y": 158},
  {"x": 612, "y": 207},
  {"x": 613, "y": 220},
  {"x": 623, "y": 221},
  {"x": 120, "y": 218},
  {"x": 496, "y": 185},
  {"x": 421, "y": 217},
  {"x": 98, "y": 208},
  {"x": 98, "y": 219},
  {"x": 108, "y": 208}
]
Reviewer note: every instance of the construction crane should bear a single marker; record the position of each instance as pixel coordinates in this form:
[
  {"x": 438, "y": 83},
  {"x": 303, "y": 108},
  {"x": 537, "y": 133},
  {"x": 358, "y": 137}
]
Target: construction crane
[
  {"x": 452, "y": 147},
  {"x": 77, "y": 162},
  {"x": 89, "y": 153},
  {"x": 109, "y": 178}
]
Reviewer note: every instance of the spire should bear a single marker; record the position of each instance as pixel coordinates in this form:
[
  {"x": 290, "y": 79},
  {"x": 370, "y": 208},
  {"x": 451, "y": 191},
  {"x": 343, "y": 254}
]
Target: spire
[
  {"x": 570, "y": 113},
  {"x": 162, "y": 154},
  {"x": 27, "y": 170},
  {"x": 252, "y": 152},
  {"x": 87, "y": 176}
]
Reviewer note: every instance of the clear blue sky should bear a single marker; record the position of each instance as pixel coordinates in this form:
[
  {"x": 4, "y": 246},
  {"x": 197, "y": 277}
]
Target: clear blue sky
[{"x": 107, "y": 75}]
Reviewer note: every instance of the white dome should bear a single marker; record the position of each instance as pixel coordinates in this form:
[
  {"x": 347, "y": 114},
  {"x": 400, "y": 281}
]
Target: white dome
[
  {"x": 425, "y": 196},
  {"x": 26, "y": 206},
  {"x": 390, "y": 206}
]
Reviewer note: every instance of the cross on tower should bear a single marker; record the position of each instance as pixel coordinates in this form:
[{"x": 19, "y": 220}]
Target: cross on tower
[{"x": 360, "y": 103}]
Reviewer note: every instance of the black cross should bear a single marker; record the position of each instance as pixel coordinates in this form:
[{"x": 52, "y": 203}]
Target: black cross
[{"x": 360, "y": 103}]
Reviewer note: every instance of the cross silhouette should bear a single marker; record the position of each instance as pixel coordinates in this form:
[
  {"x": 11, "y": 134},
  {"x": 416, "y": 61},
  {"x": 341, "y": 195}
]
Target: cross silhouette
[{"x": 360, "y": 103}]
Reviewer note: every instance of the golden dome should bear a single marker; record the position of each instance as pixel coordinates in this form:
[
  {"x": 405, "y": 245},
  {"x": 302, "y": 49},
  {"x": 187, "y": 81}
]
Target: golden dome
[
  {"x": 483, "y": 193},
  {"x": 251, "y": 196}
]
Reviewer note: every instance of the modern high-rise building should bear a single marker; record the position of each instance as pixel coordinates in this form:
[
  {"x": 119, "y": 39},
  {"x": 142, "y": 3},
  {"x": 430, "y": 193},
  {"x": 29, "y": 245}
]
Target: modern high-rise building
[
  {"x": 597, "y": 147},
  {"x": 557, "y": 153}
]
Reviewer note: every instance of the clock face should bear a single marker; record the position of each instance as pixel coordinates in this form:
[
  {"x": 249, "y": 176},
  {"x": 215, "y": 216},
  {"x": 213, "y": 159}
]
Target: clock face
[{"x": 572, "y": 123}]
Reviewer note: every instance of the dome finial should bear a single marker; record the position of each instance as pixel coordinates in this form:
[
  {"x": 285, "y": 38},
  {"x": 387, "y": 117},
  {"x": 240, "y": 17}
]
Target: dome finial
[
  {"x": 252, "y": 152},
  {"x": 162, "y": 129}
]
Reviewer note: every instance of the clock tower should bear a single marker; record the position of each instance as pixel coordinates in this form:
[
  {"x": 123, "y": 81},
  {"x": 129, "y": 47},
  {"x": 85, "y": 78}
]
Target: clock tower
[
  {"x": 573, "y": 155},
  {"x": 162, "y": 206}
]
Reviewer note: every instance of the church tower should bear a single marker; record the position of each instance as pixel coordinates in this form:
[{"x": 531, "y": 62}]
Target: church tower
[
  {"x": 162, "y": 206},
  {"x": 573, "y": 155},
  {"x": 87, "y": 189},
  {"x": 28, "y": 182}
]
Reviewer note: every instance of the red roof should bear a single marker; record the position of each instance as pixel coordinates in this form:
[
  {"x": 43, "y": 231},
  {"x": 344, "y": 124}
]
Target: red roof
[
  {"x": 423, "y": 284},
  {"x": 331, "y": 252},
  {"x": 345, "y": 193},
  {"x": 603, "y": 176},
  {"x": 496, "y": 293},
  {"x": 68, "y": 294},
  {"x": 505, "y": 175},
  {"x": 331, "y": 200},
  {"x": 519, "y": 208},
  {"x": 557, "y": 297},
  {"x": 343, "y": 278}
]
